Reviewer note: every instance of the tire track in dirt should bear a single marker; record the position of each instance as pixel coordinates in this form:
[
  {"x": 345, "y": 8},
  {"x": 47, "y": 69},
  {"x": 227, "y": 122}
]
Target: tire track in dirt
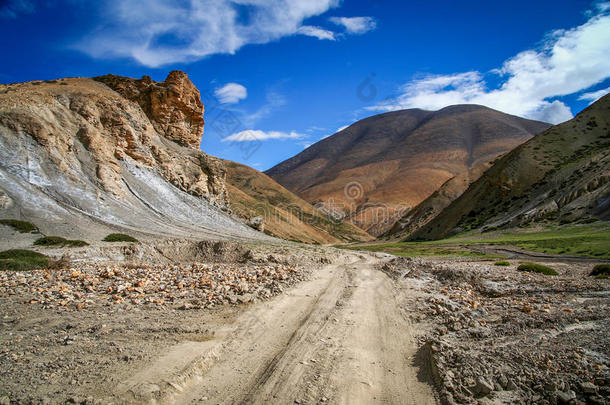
[{"x": 338, "y": 338}]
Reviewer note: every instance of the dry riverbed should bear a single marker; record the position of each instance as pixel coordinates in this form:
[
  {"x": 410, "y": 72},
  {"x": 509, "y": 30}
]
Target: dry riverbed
[{"x": 216, "y": 322}]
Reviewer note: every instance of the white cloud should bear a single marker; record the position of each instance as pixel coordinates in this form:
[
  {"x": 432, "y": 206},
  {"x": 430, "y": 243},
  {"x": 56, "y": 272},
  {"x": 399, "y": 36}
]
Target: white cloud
[
  {"x": 603, "y": 6},
  {"x": 316, "y": 32},
  {"x": 555, "y": 113},
  {"x": 342, "y": 128},
  {"x": 594, "y": 95},
  {"x": 274, "y": 101},
  {"x": 258, "y": 135},
  {"x": 569, "y": 61},
  {"x": 355, "y": 25},
  {"x": 159, "y": 32},
  {"x": 231, "y": 93},
  {"x": 306, "y": 144}
]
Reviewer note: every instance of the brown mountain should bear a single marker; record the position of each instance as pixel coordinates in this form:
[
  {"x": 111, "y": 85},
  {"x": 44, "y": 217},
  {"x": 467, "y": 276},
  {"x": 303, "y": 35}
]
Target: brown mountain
[
  {"x": 254, "y": 194},
  {"x": 378, "y": 168},
  {"x": 560, "y": 176},
  {"x": 428, "y": 209}
]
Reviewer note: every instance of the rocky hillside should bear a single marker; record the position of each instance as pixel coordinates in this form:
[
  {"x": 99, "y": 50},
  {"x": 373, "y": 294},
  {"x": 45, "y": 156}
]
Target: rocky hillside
[
  {"x": 560, "y": 176},
  {"x": 379, "y": 167},
  {"x": 256, "y": 197},
  {"x": 428, "y": 209},
  {"x": 80, "y": 157}
]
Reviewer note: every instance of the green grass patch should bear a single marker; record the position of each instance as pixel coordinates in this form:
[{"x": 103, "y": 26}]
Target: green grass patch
[
  {"x": 537, "y": 268},
  {"x": 502, "y": 263},
  {"x": 119, "y": 237},
  {"x": 416, "y": 249},
  {"x": 601, "y": 270},
  {"x": 21, "y": 260},
  {"x": 50, "y": 241},
  {"x": 21, "y": 226},
  {"x": 590, "y": 240}
]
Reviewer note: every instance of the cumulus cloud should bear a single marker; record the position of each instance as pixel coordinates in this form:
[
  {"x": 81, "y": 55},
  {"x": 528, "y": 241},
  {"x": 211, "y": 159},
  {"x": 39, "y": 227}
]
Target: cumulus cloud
[
  {"x": 568, "y": 62},
  {"x": 250, "y": 135},
  {"x": 316, "y": 32},
  {"x": 355, "y": 25},
  {"x": 231, "y": 93},
  {"x": 158, "y": 32},
  {"x": 594, "y": 95}
]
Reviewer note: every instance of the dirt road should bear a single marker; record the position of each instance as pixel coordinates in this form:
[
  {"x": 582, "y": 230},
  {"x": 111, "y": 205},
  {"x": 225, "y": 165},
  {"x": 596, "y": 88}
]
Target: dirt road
[{"x": 340, "y": 338}]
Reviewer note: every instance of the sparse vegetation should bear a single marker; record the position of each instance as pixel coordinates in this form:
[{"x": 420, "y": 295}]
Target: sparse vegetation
[
  {"x": 537, "y": 268},
  {"x": 592, "y": 240},
  {"x": 601, "y": 271},
  {"x": 58, "y": 241},
  {"x": 417, "y": 249},
  {"x": 502, "y": 263},
  {"x": 21, "y": 260},
  {"x": 21, "y": 226},
  {"x": 119, "y": 237}
]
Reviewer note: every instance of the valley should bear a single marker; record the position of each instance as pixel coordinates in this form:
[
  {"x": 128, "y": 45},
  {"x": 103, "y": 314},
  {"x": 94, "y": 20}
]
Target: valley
[{"x": 137, "y": 269}]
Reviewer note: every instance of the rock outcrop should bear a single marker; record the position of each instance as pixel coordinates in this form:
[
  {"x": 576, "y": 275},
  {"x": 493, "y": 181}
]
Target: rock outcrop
[
  {"x": 109, "y": 148},
  {"x": 173, "y": 107}
]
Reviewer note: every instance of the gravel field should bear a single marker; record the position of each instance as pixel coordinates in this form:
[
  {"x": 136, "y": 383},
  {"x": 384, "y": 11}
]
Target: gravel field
[{"x": 498, "y": 335}]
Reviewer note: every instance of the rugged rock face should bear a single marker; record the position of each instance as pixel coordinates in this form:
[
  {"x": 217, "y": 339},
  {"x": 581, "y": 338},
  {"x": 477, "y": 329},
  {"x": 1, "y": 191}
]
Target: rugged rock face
[
  {"x": 174, "y": 106},
  {"x": 109, "y": 148}
]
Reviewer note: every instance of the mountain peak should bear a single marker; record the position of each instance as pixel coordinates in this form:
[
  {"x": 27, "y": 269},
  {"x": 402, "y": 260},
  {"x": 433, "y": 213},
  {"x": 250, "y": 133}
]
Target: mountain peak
[{"x": 397, "y": 159}]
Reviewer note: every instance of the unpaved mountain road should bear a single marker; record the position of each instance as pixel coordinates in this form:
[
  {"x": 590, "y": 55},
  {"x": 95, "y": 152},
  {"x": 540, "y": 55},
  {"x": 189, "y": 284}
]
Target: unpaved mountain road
[{"x": 339, "y": 338}]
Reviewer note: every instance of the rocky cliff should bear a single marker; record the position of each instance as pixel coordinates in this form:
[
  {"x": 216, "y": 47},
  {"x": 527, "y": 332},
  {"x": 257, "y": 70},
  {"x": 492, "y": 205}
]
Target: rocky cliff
[{"x": 111, "y": 151}]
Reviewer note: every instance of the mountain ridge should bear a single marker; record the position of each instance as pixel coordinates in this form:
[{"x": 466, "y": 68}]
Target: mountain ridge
[
  {"x": 559, "y": 176},
  {"x": 386, "y": 156}
]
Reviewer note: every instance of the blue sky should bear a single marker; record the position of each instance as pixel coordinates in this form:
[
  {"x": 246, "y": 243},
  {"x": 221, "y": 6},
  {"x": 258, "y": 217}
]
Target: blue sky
[{"x": 278, "y": 75}]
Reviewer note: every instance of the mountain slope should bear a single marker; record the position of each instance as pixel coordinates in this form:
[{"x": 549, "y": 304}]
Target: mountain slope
[
  {"x": 561, "y": 175},
  {"x": 428, "y": 209},
  {"x": 253, "y": 194},
  {"x": 379, "y": 167},
  {"x": 83, "y": 157}
]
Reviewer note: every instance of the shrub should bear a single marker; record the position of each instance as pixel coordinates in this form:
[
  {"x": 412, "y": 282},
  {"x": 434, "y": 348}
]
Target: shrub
[
  {"x": 537, "y": 268},
  {"x": 59, "y": 241},
  {"x": 601, "y": 270},
  {"x": 21, "y": 226},
  {"x": 20, "y": 260},
  {"x": 119, "y": 237},
  {"x": 502, "y": 263}
]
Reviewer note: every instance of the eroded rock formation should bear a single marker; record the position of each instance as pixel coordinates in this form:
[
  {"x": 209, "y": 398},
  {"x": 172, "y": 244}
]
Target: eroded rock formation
[
  {"x": 118, "y": 150},
  {"x": 135, "y": 124}
]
